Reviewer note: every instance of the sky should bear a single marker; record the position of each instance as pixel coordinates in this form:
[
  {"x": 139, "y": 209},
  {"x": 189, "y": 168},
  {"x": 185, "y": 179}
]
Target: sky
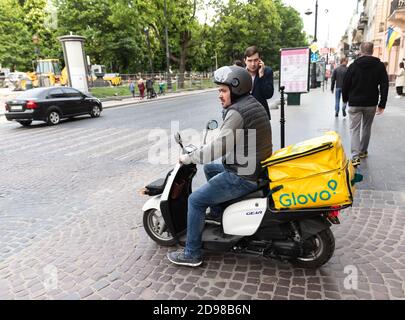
[{"x": 336, "y": 20}]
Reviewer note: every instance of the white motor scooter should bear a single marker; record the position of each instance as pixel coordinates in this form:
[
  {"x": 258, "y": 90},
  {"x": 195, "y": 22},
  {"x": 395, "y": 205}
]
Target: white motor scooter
[{"x": 250, "y": 224}]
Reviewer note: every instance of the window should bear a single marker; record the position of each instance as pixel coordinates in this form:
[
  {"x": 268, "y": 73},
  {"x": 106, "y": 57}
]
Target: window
[
  {"x": 56, "y": 93},
  {"x": 71, "y": 93},
  {"x": 56, "y": 67}
]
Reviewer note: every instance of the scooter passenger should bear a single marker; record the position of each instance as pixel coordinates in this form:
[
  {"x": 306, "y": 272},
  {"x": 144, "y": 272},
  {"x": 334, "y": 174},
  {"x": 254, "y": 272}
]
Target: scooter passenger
[{"x": 243, "y": 141}]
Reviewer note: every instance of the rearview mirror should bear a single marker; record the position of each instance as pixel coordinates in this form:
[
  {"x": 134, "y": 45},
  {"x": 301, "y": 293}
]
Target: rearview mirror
[
  {"x": 177, "y": 138},
  {"x": 212, "y": 125}
]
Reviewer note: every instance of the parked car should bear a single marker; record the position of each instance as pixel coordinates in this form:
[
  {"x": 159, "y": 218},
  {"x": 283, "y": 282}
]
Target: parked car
[
  {"x": 16, "y": 80},
  {"x": 3, "y": 76},
  {"x": 51, "y": 105}
]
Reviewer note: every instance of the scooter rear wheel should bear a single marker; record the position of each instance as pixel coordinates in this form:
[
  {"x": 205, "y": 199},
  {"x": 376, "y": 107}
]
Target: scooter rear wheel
[
  {"x": 157, "y": 229},
  {"x": 323, "y": 244}
]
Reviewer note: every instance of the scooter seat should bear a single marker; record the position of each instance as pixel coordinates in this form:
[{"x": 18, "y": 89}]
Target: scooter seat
[
  {"x": 256, "y": 194},
  {"x": 156, "y": 187}
]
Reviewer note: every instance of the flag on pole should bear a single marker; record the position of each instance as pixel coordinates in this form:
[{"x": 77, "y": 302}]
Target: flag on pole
[{"x": 392, "y": 35}]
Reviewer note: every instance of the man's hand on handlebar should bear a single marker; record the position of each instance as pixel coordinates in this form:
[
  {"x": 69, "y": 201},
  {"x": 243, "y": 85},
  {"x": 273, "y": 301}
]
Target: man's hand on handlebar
[{"x": 185, "y": 159}]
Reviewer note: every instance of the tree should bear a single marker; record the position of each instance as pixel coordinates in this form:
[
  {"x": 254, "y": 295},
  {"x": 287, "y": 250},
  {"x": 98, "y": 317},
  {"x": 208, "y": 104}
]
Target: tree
[
  {"x": 182, "y": 27},
  {"x": 129, "y": 41},
  {"x": 292, "y": 34},
  {"x": 37, "y": 19},
  {"x": 202, "y": 56},
  {"x": 111, "y": 39},
  {"x": 240, "y": 24},
  {"x": 15, "y": 40},
  {"x": 268, "y": 24},
  {"x": 115, "y": 32}
]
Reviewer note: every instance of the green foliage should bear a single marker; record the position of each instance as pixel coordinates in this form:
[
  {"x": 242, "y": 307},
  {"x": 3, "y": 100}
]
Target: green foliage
[
  {"x": 37, "y": 19},
  {"x": 15, "y": 40},
  {"x": 292, "y": 34},
  {"x": 129, "y": 35},
  {"x": 241, "y": 24},
  {"x": 268, "y": 24}
]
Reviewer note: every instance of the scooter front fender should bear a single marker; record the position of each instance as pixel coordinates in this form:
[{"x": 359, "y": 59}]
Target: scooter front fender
[{"x": 152, "y": 203}]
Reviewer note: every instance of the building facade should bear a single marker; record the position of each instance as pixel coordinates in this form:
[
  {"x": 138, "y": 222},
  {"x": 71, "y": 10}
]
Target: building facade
[{"x": 371, "y": 22}]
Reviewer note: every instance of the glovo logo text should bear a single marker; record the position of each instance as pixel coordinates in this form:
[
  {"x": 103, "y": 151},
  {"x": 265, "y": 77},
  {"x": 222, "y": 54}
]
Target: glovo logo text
[{"x": 292, "y": 199}]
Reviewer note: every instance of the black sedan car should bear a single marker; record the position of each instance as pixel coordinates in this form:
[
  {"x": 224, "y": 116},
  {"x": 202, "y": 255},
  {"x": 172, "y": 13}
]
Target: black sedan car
[{"x": 51, "y": 105}]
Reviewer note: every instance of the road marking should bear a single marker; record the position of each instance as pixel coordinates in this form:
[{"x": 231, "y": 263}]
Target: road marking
[
  {"x": 60, "y": 135},
  {"x": 62, "y": 144},
  {"x": 140, "y": 134},
  {"x": 106, "y": 132},
  {"x": 125, "y": 136},
  {"x": 134, "y": 153},
  {"x": 30, "y": 133}
]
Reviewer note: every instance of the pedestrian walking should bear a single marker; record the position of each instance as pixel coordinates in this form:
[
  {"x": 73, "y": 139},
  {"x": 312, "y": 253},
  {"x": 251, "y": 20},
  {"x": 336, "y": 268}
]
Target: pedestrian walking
[
  {"x": 161, "y": 87},
  {"x": 365, "y": 88},
  {"x": 400, "y": 80},
  {"x": 262, "y": 77},
  {"x": 338, "y": 76},
  {"x": 132, "y": 88},
  {"x": 149, "y": 88},
  {"x": 141, "y": 87}
]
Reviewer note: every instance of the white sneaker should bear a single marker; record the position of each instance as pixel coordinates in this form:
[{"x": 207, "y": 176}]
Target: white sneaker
[{"x": 398, "y": 97}]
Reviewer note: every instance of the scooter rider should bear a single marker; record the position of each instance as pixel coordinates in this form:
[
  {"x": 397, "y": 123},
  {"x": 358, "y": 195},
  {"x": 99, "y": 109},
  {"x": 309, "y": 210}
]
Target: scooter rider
[{"x": 243, "y": 141}]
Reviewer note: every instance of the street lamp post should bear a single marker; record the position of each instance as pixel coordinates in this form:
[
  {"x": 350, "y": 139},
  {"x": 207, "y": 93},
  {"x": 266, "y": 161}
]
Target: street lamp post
[{"x": 313, "y": 65}]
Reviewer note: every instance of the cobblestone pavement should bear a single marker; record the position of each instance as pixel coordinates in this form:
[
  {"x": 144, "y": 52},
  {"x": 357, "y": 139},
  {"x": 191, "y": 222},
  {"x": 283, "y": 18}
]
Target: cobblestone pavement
[{"x": 71, "y": 221}]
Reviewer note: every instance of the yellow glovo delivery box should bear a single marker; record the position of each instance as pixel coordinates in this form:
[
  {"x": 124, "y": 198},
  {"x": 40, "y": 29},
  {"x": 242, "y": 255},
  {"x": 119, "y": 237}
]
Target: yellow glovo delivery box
[{"x": 311, "y": 174}]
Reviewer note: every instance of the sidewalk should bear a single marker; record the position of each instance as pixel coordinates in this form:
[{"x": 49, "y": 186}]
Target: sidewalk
[
  {"x": 384, "y": 169},
  {"x": 117, "y": 101}
]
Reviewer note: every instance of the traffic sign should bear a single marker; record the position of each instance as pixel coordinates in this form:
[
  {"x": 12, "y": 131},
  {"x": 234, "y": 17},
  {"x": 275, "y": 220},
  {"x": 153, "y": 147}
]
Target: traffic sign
[{"x": 314, "y": 57}]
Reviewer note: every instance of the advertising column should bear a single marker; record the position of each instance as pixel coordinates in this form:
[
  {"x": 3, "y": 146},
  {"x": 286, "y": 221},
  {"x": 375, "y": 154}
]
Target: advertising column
[{"x": 75, "y": 61}]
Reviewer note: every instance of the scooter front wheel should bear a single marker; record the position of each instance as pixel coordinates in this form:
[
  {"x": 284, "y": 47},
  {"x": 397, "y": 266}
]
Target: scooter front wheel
[
  {"x": 319, "y": 249},
  {"x": 156, "y": 228}
]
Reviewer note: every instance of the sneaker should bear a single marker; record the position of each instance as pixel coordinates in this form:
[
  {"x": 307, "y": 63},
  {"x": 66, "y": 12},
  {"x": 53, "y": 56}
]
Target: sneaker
[
  {"x": 178, "y": 257},
  {"x": 344, "y": 113},
  {"x": 355, "y": 161},
  {"x": 336, "y": 114},
  {"x": 363, "y": 154},
  {"x": 213, "y": 219},
  {"x": 398, "y": 97}
]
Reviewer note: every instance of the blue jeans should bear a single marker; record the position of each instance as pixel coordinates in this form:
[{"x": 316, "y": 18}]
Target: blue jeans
[
  {"x": 222, "y": 186},
  {"x": 338, "y": 93}
]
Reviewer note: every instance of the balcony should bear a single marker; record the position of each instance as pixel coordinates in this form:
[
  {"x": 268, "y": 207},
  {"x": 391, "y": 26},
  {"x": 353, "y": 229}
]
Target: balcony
[
  {"x": 397, "y": 13},
  {"x": 361, "y": 26},
  {"x": 357, "y": 35},
  {"x": 363, "y": 18},
  {"x": 397, "y": 5}
]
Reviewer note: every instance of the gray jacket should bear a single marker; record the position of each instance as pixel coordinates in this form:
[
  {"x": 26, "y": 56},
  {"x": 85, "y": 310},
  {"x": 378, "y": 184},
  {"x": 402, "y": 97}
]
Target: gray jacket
[
  {"x": 243, "y": 142},
  {"x": 338, "y": 76}
]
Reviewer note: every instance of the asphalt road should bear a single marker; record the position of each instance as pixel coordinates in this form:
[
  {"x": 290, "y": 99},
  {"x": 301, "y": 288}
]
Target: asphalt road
[{"x": 50, "y": 173}]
